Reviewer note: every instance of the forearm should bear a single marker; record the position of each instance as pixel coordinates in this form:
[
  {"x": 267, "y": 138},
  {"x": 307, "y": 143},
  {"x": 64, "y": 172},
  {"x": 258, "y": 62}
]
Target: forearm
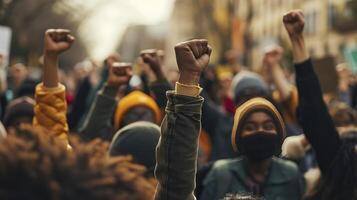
[
  {"x": 281, "y": 82},
  {"x": 314, "y": 117},
  {"x": 50, "y": 71},
  {"x": 299, "y": 50},
  {"x": 50, "y": 111},
  {"x": 177, "y": 149},
  {"x": 159, "y": 89},
  {"x": 98, "y": 122}
]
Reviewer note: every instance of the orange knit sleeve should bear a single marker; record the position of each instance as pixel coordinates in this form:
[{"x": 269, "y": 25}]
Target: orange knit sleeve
[{"x": 50, "y": 111}]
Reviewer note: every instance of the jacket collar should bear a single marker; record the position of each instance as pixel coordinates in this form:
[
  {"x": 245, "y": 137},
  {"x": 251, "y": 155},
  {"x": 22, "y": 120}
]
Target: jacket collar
[{"x": 277, "y": 175}]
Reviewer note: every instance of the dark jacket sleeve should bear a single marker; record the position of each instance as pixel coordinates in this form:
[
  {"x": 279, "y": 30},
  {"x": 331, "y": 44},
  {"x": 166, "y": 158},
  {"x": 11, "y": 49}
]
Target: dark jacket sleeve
[
  {"x": 177, "y": 149},
  {"x": 78, "y": 107},
  {"x": 314, "y": 117},
  {"x": 98, "y": 121},
  {"x": 159, "y": 89},
  {"x": 210, "y": 115}
]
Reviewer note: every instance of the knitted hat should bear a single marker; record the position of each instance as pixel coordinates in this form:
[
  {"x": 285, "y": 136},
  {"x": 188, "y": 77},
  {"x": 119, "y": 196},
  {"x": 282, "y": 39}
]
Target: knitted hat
[
  {"x": 132, "y": 100},
  {"x": 248, "y": 85},
  {"x": 253, "y": 105},
  {"x": 139, "y": 140},
  {"x": 19, "y": 107}
]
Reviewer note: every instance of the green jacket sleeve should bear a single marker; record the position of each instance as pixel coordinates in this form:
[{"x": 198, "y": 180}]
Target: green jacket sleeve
[
  {"x": 176, "y": 152},
  {"x": 98, "y": 121}
]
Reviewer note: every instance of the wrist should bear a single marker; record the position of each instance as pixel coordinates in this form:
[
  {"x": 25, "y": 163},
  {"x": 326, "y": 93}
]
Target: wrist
[
  {"x": 296, "y": 39},
  {"x": 51, "y": 54},
  {"x": 159, "y": 75},
  {"x": 189, "y": 78}
]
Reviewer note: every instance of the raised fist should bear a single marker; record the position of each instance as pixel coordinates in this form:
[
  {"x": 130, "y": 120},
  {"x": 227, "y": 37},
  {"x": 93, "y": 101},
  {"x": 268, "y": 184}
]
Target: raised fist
[
  {"x": 57, "y": 41},
  {"x": 192, "y": 57},
  {"x": 273, "y": 56},
  {"x": 294, "y": 22},
  {"x": 120, "y": 74},
  {"x": 151, "y": 57}
]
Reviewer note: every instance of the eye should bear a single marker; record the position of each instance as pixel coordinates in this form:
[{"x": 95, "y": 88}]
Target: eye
[
  {"x": 249, "y": 127},
  {"x": 269, "y": 126}
]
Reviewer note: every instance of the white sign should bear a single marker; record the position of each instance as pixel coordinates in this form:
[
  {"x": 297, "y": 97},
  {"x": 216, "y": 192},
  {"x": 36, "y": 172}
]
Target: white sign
[{"x": 5, "y": 42}]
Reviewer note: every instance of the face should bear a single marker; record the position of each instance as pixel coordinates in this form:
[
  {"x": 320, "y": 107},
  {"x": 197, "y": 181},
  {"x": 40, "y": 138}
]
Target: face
[
  {"x": 18, "y": 72},
  {"x": 139, "y": 113},
  {"x": 258, "y": 121}
]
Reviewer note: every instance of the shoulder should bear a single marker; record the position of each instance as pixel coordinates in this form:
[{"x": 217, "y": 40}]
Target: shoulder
[
  {"x": 286, "y": 168},
  {"x": 222, "y": 169}
]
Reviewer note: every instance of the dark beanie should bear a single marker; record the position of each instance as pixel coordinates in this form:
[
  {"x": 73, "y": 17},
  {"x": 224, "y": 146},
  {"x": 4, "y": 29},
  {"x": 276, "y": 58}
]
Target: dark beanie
[
  {"x": 139, "y": 140},
  {"x": 247, "y": 85},
  {"x": 20, "y": 107}
]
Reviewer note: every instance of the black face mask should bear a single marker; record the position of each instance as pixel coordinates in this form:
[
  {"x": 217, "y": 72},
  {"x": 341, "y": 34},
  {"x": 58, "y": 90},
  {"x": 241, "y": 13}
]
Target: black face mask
[{"x": 259, "y": 146}]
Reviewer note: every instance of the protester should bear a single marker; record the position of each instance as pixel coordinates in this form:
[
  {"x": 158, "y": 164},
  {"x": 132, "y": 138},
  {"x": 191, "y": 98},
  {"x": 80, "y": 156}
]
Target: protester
[
  {"x": 176, "y": 153},
  {"x": 138, "y": 140},
  {"x": 136, "y": 106},
  {"x": 18, "y": 112},
  {"x": 40, "y": 167},
  {"x": 227, "y": 132},
  {"x": 336, "y": 159},
  {"x": 258, "y": 133},
  {"x": 51, "y": 106}
]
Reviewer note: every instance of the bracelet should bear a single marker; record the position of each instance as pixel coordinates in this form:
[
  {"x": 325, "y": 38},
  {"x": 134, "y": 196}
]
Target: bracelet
[{"x": 187, "y": 90}]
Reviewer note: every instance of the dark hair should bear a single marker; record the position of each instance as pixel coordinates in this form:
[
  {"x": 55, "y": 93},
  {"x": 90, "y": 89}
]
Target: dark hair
[
  {"x": 340, "y": 183},
  {"x": 342, "y": 114},
  {"x": 36, "y": 166}
]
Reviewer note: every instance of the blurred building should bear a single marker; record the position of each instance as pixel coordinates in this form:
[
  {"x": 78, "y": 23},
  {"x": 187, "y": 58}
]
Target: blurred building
[
  {"x": 139, "y": 37},
  {"x": 330, "y": 26}
]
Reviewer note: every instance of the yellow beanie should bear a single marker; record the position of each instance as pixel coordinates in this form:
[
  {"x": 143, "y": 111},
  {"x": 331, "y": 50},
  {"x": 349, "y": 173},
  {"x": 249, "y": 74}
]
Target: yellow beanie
[
  {"x": 132, "y": 100},
  {"x": 250, "y": 106}
]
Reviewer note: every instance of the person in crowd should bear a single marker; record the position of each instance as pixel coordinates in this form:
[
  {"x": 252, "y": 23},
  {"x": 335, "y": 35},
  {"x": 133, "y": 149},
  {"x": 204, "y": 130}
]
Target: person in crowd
[
  {"x": 342, "y": 115},
  {"x": 18, "y": 112},
  {"x": 257, "y": 134},
  {"x": 96, "y": 80},
  {"x": 136, "y": 106},
  {"x": 18, "y": 73},
  {"x": 282, "y": 90},
  {"x": 139, "y": 140},
  {"x": 176, "y": 154},
  {"x": 336, "y": 158},
  {"x": 51, "y": 106},
  {"x": 36, "y": 165},
  {"x": 247, "y": 85}
]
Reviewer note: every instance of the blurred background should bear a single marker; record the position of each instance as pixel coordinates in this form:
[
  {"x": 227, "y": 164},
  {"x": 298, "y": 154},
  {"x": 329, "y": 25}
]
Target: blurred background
[{"x": 237, "y": 29}]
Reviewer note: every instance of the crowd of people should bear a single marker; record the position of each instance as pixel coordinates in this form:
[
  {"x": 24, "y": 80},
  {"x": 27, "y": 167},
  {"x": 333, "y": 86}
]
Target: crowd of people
[{"x": 139, "y": 131}]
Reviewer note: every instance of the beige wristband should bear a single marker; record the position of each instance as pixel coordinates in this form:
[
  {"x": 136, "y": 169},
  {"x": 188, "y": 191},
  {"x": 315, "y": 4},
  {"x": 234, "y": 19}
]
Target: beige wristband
[{"x": 187, "y": 90}]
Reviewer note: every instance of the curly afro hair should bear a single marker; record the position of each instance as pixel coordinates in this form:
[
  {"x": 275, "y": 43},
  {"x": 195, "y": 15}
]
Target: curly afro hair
[{"x": 35, "y": 166}]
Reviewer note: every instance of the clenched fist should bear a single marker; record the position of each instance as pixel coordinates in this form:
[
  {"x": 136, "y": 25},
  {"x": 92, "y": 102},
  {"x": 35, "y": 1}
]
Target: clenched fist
[
  {"x": 273, "y": 56},
  {"x": 192, "y": 57},
  {"x": 152, "y": 58},
  {"x": 57, "y": 41},
  {"x": 119, "y": 74},
  {"x": 294, "y": 22}
]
